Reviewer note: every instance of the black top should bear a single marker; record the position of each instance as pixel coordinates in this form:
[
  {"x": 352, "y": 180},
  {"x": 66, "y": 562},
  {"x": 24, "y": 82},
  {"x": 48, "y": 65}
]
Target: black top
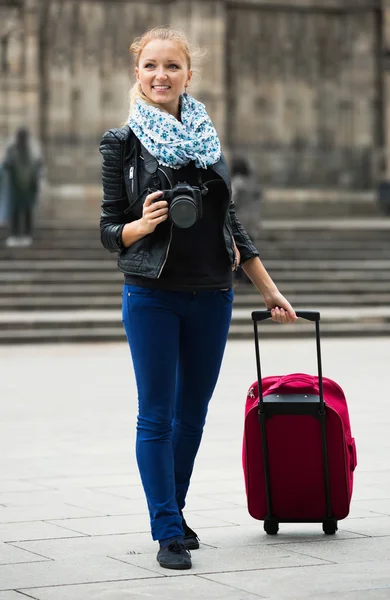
[{"x": 197, "y": 256}]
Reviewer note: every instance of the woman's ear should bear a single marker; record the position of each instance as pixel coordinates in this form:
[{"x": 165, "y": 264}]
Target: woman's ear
[
  {"x": 189, "y": 77},
  {"x": 137, "y": 73}
]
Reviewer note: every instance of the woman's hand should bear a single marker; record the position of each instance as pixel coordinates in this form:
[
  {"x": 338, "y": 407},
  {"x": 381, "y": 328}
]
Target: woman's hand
[
  {"x": 153, "y": 213},
  {"x": 281, "y": 309}
]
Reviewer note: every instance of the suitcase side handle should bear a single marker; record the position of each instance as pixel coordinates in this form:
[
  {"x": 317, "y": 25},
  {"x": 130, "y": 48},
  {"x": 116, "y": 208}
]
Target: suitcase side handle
[{"x": 309, "y": 315}]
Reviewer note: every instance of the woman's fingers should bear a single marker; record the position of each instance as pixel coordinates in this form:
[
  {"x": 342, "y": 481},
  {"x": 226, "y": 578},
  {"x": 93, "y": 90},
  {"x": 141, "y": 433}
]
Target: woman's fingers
[
  {"x": 156, "y": 207},
  {"x": 280, "y": 315},
  {"x": 151, "y": 197},
  {"x": 153, "y": 208},
  {"x": 154, "y": 211}
]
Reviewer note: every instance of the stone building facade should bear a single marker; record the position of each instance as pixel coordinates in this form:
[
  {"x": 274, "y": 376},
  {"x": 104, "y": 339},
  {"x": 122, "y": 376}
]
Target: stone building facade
[{"x": 298, "y": 86}]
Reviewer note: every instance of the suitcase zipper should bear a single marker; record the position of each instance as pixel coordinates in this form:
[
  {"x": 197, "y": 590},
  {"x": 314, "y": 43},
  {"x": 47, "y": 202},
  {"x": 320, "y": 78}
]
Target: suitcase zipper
[{"x": 251, "y": 393}]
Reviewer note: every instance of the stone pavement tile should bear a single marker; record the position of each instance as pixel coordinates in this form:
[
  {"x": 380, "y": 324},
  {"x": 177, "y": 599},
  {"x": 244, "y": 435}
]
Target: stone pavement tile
[
  {"x": 346, "y": 551},
  {"x": 190, "y": 587},
  {"x": 44, "y": 512},
  {"x": 217, "y": 486},
  {"x": 12, "y": 555},
  {"x": 107, "y": 525},
  {"x": 12, "y": 596},
  {"x": 34, "y": 530},
  {"x": 377, "y": 506},
  {"x": 216, "y": 469},
  {"x": 201, "y": 502},
  {"x": 371, "y": 526},
  {"x": 371, "y": 485},
  {"x": 69, "y": 571},
  {"x": 237, "y": 498},
  {"x": 253, "y": 535},
  {"x": 237, "y": 515},
  {"x": 50, "y": 461},
  {"x": 103, "y": 545},
  {"x": 137, "y": 497},
  {"x": 18, "y": 485},
  {"x": 130, "y": 523},
  {"x": 87, "y": 481},
  {"x": 124, "y": 491},
  {"x": 29, "y": 498},
  {"x": 106, "y": 504},
  {"x": 358, "y": 512},
  {"x": 88, "y": 499},
  {"x": 383, "y": 594},
  {"x": 211, "y": 560},
  {"x": 197, "y": 495},
  {"x": 307, "y": 582}
]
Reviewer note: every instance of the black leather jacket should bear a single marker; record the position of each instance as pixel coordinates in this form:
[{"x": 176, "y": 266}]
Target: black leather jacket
[{"x": 128, "y": 174}]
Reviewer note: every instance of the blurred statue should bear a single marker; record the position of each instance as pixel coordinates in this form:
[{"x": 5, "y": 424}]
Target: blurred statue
[
  {"x": 22, "y": 167},
  {"x": 246, "y": 195}
]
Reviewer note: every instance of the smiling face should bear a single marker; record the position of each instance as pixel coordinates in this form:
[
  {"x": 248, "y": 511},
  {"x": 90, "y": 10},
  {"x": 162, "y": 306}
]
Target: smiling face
[{"x": 163, "y": 73}]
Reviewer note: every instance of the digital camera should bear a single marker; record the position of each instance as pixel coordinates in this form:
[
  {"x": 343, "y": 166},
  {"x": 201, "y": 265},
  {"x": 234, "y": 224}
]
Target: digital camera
[{"x": 184, "y": 204}]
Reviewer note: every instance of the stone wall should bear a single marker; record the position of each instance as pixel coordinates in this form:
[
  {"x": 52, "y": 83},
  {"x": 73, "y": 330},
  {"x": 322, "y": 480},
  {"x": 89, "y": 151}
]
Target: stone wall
[{"x": 295, "y": 85}]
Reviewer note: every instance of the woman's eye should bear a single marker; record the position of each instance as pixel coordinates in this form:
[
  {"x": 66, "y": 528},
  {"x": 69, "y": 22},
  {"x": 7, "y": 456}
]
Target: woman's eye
[
  {"x": 148, "y": 65},
  {"x": 173, "y": 66}
]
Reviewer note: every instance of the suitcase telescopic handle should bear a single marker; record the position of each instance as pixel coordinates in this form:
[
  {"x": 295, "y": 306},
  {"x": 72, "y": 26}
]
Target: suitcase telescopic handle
[{"x": 309, "y": 315}]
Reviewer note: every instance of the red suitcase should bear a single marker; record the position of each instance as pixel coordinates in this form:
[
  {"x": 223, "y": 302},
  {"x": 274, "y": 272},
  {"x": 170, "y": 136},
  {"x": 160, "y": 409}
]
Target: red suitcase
[{"x": 298, "y": 452}]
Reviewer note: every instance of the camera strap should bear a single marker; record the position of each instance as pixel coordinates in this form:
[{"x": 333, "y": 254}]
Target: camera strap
[{"x": 202, "y": 186}]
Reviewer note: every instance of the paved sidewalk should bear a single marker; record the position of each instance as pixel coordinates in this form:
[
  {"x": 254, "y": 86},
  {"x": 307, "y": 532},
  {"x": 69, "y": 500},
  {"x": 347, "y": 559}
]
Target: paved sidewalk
[{"x": 73, "y": 524}]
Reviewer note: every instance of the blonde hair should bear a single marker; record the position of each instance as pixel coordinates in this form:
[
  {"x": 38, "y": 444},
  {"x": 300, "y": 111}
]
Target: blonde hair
[{"x": 165, "y": 34}]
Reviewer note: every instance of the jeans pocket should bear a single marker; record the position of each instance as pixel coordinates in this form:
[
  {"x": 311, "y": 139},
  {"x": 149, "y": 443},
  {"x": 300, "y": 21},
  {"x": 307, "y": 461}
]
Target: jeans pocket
[
  {"x": 228, "y": 294},
  {"x": 138, "y": 290},
  {"x": 135, "y": 297}
]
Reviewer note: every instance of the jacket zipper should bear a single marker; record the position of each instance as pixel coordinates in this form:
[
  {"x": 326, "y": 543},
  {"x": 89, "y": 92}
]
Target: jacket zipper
[
  {"x": 131, "y": 175},
  {"x": 171, "y": 230}
]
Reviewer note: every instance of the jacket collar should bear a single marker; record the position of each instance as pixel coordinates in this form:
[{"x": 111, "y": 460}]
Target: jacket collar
[{"x": 222, "y": 169}]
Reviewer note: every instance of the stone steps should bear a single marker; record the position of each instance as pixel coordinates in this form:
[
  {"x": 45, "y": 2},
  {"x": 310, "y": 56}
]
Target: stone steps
[
  {"x": 62, "y": 287},
  {"x": 43, "y": 327},
  {"x": 81, "y": 264},
  {"x": 85, "y": 301},
  {"x": 310, "y": 255},
  {"x": 308, "y": 278},
  {"x": 66, "y": 287}
]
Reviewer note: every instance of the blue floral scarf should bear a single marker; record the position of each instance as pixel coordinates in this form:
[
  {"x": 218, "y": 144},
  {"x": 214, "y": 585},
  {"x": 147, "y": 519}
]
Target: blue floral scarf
[{"x": 176, "y": 143}]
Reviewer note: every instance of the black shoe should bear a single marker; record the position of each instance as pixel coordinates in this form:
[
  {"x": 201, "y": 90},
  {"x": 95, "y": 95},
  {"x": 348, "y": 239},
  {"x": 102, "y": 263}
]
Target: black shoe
[
  {"x": 174, "y": 556},
  {"x": 191, "y": 540}
]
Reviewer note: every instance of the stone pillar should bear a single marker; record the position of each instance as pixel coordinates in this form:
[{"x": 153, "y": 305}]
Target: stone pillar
[
  {"x": 205, "y": 24},
  {"x": 31, "y": 78},
  {"x": 386, "y": 87}
]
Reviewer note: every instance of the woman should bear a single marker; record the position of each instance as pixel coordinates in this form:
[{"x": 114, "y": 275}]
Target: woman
[{"x": 177, "y": 257}]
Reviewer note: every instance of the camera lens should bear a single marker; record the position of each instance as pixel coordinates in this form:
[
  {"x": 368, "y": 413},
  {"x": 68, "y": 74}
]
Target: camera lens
[{"x": 183, "y": 212}]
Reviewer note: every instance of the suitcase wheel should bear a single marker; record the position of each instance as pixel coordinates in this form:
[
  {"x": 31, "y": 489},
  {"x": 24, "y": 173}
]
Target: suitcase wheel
[
  {"x": 329, "y": 526},
  {"x": 271, "y": 526}
]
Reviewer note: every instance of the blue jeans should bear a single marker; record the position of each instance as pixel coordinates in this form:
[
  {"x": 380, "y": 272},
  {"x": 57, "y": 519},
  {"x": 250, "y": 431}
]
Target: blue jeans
[{"x": 177, "y": 341}]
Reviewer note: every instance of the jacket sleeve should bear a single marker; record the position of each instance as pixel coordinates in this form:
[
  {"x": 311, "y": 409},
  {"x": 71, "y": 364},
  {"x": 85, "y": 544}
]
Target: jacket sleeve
[
  {"x": 115, "y": 202},
  {"x": 242, "y": 239}
]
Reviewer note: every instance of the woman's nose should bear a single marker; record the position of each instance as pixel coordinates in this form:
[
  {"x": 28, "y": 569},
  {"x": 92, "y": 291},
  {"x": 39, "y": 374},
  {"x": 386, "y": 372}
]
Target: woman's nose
[{"x": 161, "y": 74}]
